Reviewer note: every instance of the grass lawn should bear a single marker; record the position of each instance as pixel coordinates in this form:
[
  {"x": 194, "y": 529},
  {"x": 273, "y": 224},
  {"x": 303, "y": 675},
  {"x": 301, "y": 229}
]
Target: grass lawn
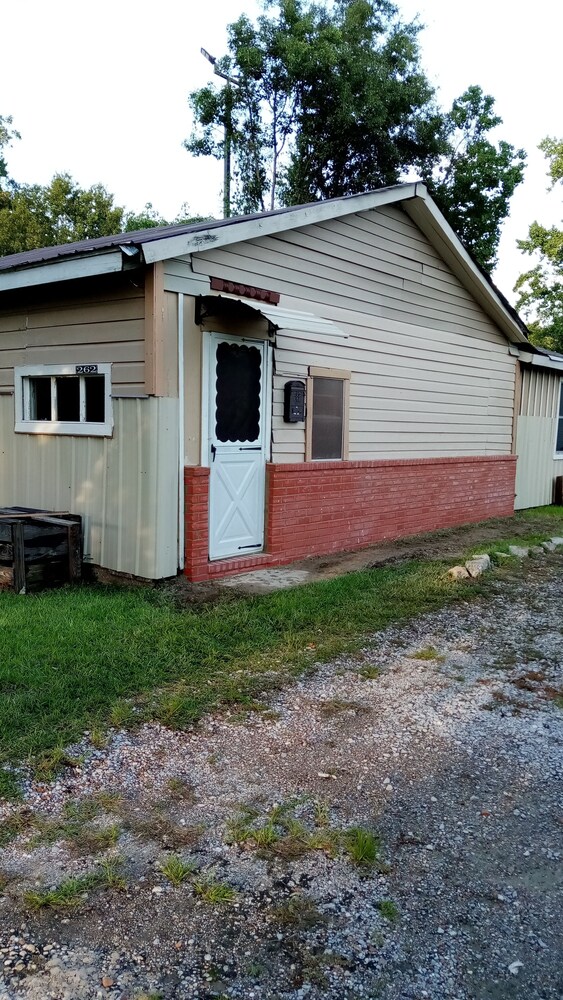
[{"x": 71, "y": 658}]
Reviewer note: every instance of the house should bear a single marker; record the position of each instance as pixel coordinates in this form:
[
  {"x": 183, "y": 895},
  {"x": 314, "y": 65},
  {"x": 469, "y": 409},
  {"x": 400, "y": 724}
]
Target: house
[{"x": 252, "y": 391}]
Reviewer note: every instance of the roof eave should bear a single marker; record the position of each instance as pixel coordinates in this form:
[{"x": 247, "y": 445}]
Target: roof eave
[
  {"x": 205, "y": 239},
  {"x": 67, "y": 269}
]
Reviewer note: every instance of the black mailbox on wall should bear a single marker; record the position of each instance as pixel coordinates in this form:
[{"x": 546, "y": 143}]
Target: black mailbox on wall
[{"x": 294, "y": 401}]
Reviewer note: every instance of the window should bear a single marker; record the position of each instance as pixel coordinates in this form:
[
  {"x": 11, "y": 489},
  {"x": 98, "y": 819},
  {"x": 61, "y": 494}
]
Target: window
[
  {"x": 327, "y": 414},
  {"x": 64, "y": 399},
  {"x": 559, "y": 438}
]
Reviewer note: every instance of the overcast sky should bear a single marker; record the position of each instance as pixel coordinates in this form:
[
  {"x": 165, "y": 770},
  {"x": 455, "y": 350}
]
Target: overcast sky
[{"x": 100, "y": 90}]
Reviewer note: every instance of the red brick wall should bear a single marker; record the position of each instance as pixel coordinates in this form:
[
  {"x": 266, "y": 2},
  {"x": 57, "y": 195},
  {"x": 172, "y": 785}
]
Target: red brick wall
[
  {"x": 316, "y": 508},
  {"x": 196, "y": 514}
]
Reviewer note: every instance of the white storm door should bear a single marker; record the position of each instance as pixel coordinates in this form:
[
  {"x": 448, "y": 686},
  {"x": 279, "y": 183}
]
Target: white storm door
[{"x": 237, "y": 442}]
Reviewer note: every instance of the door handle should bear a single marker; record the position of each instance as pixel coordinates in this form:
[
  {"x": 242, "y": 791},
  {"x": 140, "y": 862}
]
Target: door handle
[
  {"x": 213, "y": 451},
  {"x": 251, "y": 449}
]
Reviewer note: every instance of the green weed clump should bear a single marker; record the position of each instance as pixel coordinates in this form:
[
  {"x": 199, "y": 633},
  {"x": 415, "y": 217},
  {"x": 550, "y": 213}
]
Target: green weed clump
[
  {"x": 363, "y": 847},
  {"x": 389, "y": 910},
  {"x": 176, "y": 870},
  {"x": 214, "y": 892},
  {"x": 69, "y": 892},
  {"x": 428, "y": 653},
  {"x": 72, "y": 891}
]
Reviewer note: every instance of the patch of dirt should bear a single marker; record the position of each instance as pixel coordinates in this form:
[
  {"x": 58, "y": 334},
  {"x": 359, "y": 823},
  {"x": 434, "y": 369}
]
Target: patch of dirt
[{"x": 449, "y": 544}]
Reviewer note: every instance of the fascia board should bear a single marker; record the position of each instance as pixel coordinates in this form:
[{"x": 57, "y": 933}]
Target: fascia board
[
  {"x": 431, "y": 222},
  {"x": 542, "y": 361},
  {"x": 63, "y": 270},
  {"x": 238, "y": 232}
]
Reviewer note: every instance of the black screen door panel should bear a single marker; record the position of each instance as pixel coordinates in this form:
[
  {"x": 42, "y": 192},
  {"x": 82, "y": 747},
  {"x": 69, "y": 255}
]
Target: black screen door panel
[{"x": 237, "y": 400}]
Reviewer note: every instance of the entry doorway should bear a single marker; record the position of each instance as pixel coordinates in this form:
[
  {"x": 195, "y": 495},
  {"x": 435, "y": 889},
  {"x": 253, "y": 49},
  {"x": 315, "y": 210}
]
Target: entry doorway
[{"x": 238, "y": 442}]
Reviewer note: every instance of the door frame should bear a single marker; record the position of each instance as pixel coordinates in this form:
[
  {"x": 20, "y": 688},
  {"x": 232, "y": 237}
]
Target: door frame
[{"x": 207, "y": 345}]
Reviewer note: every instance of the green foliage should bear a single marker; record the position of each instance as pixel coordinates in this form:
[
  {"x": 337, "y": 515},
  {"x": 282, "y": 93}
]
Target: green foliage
[
  {"x": 10, "y": 788},
  {"x": 475, "y": 178},
  {"x": 72, "y": 891},
  {"x": 541, "y": 288},
  {"x": 326, "y": 101},
  {"x": 427, "y": 653},
  {"x": 15, "y": 824},
  {"x": 214, "y": 892},
  {"x": 36, "y": 215},
  {"x": 149, "y": 218},
  {"x": 7, "y": 135},
  {"x": 389, "y": 910},
  {"x": 32, "y": 215},
  {"x": 52, "y": 763},
  {"x": 176, "y": 870},
  {"x": 69, "y": 893},
  {"x": 363, "y": 847}
]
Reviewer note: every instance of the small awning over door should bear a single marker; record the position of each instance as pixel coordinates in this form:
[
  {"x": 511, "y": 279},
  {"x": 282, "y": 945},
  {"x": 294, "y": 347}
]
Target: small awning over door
[{"x": 307, "y": 325}]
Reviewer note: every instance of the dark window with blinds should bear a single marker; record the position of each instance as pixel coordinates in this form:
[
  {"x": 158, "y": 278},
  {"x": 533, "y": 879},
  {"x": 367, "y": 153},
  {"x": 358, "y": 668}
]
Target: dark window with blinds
[
  {"x": 328, "y": 418},
  {"x": 559, "y": 442}
]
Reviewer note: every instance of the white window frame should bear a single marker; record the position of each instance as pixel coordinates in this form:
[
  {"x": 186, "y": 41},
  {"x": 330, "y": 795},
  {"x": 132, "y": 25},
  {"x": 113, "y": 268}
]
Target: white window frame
[
  {"x": 82, "y": 428},
  {"x": 558, "y": 455}
]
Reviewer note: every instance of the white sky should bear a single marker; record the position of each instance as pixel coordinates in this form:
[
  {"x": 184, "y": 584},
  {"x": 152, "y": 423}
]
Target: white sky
[{"x": 100, "y": 90}]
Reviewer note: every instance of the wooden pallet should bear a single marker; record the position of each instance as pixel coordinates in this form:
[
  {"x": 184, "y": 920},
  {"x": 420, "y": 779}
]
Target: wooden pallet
[{"x": 39, "y": 548}]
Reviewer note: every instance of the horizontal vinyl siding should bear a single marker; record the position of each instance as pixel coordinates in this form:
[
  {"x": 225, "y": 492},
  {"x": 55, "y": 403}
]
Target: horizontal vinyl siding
[
  {"x": 431, "y": 373},
  {"x": 105, "y": 327},
  {"x": 125, "y": 487},
  {"x": 535, "y": 438}
]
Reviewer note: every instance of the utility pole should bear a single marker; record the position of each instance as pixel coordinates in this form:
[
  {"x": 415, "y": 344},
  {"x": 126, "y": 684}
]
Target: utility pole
[{"x": 231, "y": 81}]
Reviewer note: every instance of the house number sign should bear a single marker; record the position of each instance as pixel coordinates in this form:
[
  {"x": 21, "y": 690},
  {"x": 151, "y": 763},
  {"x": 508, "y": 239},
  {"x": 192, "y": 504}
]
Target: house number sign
[{"x": 86, "y": 369}]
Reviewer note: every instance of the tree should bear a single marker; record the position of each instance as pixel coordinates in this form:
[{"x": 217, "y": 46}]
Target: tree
[
  {"x": 332, "y": 100},
  {"x": 148, "y": 218},
  {"x": 327, "y": 102},
  {"x": 7, "y": 134},
  {"x": 475, "y": 180},
  {"x": 541, "y": 288},
  {"x": 32, "y": 215},
  {"x": 366, "y": 110},
  {"x": 35, "y": 215}
]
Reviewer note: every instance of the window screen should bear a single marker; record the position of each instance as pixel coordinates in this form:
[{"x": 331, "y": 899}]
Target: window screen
[
  {"x": 328, "y": 418},
  {"x": 237, "y": 403}
]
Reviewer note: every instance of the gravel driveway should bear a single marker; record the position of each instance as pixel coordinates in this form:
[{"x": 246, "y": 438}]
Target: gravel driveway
[{"x": 443, "y": 736}]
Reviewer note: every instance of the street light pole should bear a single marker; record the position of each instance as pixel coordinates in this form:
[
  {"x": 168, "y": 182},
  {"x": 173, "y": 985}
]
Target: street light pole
[{"x": 230, "y": 81}]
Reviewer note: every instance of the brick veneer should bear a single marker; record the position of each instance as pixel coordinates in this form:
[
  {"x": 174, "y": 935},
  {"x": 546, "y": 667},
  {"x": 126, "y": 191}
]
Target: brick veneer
[{"x": 317, "y": 508}]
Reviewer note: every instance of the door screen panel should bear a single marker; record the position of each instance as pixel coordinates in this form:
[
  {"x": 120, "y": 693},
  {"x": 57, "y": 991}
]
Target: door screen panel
[{"x": 237, "y": 401}]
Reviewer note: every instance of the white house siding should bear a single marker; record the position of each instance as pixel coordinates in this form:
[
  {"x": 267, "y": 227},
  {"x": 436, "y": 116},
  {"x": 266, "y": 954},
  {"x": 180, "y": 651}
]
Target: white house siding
[
  {"x": 101, "y": 325},
  {"x": 431, "y": 373},
  {"x": 125, "y": 487},
  {"x": 535, "y": 438}
]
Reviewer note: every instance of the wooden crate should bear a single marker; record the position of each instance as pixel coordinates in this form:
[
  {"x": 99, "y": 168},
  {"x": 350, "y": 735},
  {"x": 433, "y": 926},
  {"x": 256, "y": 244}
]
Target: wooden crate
[{"x": 39, "y": 548}]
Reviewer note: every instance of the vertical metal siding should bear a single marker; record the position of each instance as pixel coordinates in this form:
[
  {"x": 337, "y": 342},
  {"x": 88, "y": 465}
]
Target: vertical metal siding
[
  {"x": 125, "y": 487},
  {"x": 535, "y": 438}
]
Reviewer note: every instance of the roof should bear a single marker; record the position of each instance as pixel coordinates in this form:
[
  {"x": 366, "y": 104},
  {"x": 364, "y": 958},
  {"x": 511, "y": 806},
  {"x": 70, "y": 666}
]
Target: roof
[
  {"x": 143, "y": 237},
  {"x": 115, "y": 253}
]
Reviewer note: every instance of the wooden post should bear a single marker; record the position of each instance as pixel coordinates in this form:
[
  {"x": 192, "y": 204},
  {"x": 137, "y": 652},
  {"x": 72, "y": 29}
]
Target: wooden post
[{"x": 19, "y": 557}]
